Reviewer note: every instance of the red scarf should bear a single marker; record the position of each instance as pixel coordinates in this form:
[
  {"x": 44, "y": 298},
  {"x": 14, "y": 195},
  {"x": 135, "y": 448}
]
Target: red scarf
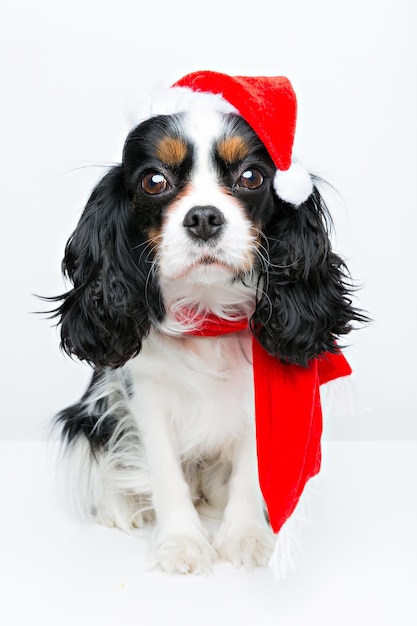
[{"x": 288, "y": 418}]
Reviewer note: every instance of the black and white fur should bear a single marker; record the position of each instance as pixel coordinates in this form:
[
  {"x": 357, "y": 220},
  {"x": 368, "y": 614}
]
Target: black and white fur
[{"x": 189, "y": 221}]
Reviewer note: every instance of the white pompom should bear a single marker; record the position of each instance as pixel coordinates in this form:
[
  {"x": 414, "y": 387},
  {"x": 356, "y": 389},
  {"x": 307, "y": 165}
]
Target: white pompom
[{"x": 293, "y": 185}]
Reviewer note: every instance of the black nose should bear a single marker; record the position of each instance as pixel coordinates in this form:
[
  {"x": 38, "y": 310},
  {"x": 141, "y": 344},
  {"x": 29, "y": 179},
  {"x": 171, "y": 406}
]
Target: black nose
[{"x": 203, "y": 222}]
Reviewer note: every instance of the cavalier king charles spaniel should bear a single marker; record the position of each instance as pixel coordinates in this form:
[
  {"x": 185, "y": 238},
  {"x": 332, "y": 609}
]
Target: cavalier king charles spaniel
[{"x": 187, "y": 231}]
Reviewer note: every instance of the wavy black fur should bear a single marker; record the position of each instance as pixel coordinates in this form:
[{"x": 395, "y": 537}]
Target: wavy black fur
[
  {"x": 109, "y": 310},
  {"x": 307, "y": 299}
]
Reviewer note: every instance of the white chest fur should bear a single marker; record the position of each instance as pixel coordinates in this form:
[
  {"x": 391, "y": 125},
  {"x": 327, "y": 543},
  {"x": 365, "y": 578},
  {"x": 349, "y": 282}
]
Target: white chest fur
[{"x": 202, "y": 385}]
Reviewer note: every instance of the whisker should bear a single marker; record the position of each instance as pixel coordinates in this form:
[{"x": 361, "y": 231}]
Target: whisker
[
  {"x": 267, "y": 258},
  {"x": 89, "y": 166}
]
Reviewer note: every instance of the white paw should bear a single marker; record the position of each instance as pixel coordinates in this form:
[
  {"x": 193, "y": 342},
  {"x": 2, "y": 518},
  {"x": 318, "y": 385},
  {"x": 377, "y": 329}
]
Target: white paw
[
  {"x": 250, "y": 547},
  {"x": 182, "y": 554}
]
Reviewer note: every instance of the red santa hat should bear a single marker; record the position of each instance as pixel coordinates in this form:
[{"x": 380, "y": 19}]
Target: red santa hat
[
  {"x": 269, "y": 106},
  {"x": 267, "y": 103}
]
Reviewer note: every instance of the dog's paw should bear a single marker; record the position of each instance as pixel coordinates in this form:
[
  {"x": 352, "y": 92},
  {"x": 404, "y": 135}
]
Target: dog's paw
[
  {"x": 182, "y": 554},
  {"x": 249, "y": 547}
]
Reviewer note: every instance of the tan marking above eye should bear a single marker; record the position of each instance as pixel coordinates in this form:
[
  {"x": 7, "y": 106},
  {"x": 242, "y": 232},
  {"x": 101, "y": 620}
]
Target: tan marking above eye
[
  {"x": 232, "y": 149},
  {"x": 171, "y": 151}
]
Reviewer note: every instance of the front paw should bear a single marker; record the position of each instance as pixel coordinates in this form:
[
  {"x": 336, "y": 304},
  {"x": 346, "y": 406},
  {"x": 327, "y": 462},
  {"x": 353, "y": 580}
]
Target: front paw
[
  {"x": 182, "y": 554},
  {"x": 248, "y": 547}
]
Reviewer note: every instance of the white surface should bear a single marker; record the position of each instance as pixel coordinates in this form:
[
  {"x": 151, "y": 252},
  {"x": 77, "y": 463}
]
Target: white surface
[
  {"x": 69, "y": 71},
  {"x": 357, "y": 567}
]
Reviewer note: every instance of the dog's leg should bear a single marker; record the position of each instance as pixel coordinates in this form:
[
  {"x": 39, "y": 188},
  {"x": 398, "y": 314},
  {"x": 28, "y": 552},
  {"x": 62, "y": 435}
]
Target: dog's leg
[
  {"x": 180, "y": 543},
  {"x": 244, "y": 536}
]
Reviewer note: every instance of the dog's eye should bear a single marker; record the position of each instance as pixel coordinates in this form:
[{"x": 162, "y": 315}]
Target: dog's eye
[
  {"x": 154, "y": 183},
  {"x": 251, "y": 179}
]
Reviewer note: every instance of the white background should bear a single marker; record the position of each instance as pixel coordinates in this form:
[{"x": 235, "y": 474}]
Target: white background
[
  {"x": 69, "y": 74},
  {"x": 356, "y": 567}
]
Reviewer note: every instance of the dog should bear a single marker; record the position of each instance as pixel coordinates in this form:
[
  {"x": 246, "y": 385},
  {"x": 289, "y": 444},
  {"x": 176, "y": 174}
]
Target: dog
[{"x": 188, "y": 233}]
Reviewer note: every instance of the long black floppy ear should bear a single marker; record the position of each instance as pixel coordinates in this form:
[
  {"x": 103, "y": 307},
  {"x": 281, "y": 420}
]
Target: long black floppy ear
[
  {"x": 306, "y": 293},
  {"x": 106, "y": 314}
]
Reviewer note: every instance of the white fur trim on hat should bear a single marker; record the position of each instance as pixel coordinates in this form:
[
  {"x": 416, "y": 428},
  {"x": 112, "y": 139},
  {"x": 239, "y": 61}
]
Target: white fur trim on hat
[
  {"x": 293, "y": 185},
  {"x": 172, "y": 100}
]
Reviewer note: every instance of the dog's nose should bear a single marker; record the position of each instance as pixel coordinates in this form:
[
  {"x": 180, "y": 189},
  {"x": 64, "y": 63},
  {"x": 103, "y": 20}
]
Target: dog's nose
[{"x": 203, "y": 222}]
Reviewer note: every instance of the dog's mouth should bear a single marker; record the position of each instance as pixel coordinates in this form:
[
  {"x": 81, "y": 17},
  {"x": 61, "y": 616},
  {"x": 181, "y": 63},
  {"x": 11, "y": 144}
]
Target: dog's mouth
[
  {"x": 210, "y": 265},
  {"x": 212, "y": 262},
  {"x": 216, "y": 261},
  {"x": 209, "y": 260},
  {"x": 207, "y": 268}
]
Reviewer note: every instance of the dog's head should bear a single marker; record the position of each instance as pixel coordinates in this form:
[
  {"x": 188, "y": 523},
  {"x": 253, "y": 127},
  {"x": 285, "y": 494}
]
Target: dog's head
[
  {"x": 191, "y": 217},
  {"x": 200, "y": 193}
]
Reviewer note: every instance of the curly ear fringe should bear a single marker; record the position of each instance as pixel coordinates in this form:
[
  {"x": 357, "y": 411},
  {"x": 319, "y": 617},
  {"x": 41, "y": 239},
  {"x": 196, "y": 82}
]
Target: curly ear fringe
[
  {"x": 306, "y": 297},
  {"x": 106, "y": 314}
]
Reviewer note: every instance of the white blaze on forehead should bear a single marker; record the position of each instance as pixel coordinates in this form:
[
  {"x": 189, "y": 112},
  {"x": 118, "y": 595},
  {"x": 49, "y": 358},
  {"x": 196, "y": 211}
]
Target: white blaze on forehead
[{"x": 204, "y": 128}]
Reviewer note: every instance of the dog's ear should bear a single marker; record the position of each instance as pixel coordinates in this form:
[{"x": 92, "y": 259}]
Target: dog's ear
[
  {"x": 305, "y": 302},
  {"x": 105, "y": 316}
]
